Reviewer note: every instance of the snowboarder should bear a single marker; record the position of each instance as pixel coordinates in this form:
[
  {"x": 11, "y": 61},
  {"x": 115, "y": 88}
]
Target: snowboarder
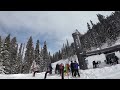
[
  {"x": 72, "y": 68},
  {"x": 76, "y": 69}
]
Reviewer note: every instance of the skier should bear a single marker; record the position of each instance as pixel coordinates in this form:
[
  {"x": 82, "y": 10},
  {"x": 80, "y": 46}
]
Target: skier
[
  {"x": 72, "y": 68},
  {"x": 76, "y": 69},
  {"x": 62, "y": 70}
]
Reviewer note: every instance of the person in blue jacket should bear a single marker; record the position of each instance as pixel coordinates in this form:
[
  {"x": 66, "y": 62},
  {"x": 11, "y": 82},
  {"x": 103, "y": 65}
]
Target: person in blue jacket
[{"x": 76, "y": 71}]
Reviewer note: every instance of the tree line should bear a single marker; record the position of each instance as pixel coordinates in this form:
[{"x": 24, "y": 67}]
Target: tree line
[
  {"x": 67, "y": 51},
  {"x": 14, "y": 59}
]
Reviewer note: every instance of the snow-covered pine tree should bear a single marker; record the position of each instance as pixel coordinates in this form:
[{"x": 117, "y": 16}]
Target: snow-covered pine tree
[
  {"x": 2, "y": 71},
  {"x": 20, "y": 59},
  {"x": 37, "y": 53},
  {"x": 91, "y": 23},
  {"x": 88, "y": 25},
  {"x": 73, "y": 49},
  {"x": 13, "y": 56},
  {"x": 41, "y": 65},
  {"x": 0, "y": 43},
  {"x": 66, "y": 51},
  {"x": 29, "y": 56},
  {"x": 39, "y": 56},
  {"x": 1, "y": 47},
  {"x": 6, "y": 55},
  {"x": 63, "y": 52},
  {"x": 100, "y": 18},
  {"x": 45, "y": 56},
  {"x": 59, "y": 55},
  {"x": 53, "y": 58},
  {"x": 49, "y": 57}
]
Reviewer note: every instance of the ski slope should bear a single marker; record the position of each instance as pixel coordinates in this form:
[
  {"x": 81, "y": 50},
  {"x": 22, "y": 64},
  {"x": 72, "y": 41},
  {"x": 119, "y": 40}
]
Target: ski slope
[
  {"x": 112, "y": 72},
  {"x": 107, "y": 72}
]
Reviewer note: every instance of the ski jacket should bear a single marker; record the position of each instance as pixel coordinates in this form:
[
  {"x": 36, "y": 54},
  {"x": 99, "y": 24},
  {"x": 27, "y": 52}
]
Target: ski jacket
[{"x": 76, "y": 65}]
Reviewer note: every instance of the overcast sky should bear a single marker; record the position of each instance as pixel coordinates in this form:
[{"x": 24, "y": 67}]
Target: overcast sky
[{"x": 53, "y": 26}]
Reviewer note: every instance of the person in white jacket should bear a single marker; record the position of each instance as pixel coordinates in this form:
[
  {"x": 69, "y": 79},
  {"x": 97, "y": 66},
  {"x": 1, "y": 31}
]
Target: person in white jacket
[{"x": 34, "y": 68}]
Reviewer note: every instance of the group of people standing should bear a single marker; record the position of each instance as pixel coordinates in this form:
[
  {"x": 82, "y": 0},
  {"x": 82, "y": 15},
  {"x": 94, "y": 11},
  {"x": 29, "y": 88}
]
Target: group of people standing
[
  {"x": 67, "y": 69},
  {"x": 95, "y": 64},
  {"x": 60, "y": 69},
  {"x": 74, "y": 69}
]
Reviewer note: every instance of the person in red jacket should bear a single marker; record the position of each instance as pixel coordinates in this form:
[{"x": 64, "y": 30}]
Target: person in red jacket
[{"x": 62, "y": 70}]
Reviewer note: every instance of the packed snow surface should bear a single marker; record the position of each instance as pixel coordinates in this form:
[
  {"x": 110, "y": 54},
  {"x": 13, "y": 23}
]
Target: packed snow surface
[{"x": 106, "y": 72}]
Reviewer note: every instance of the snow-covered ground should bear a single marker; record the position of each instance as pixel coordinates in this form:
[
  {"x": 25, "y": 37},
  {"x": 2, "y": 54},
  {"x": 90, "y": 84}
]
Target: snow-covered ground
[{"x": 107, "y": 72}]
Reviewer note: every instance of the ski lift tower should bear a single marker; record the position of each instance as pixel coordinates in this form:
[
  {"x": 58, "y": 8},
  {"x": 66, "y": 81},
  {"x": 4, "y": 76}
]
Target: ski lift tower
[{"x": 76, "y": 36}]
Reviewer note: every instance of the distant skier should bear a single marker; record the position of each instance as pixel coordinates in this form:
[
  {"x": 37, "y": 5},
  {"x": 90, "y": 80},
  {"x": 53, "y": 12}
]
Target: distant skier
[
  {"x": 76, "y": 71},
  {"x": 94, "y": 64}
]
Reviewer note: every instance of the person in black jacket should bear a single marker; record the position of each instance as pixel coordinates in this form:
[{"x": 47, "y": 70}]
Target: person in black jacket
[
  {"x": 57, "y": 69},
  {"x": 94, "y": 64},
  {"x": 72, "y": 68},
  {"x": 49, "y": 70}
]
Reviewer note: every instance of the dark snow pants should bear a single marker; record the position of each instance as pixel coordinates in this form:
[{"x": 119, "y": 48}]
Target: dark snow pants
[
  {"x": 72, "y": 71},
  {"x": 34, "y": 73},
  {"x": 50, "y": 72},
  {"x": 62, "y": 72},
  {"x": 76, "y": 72}
]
